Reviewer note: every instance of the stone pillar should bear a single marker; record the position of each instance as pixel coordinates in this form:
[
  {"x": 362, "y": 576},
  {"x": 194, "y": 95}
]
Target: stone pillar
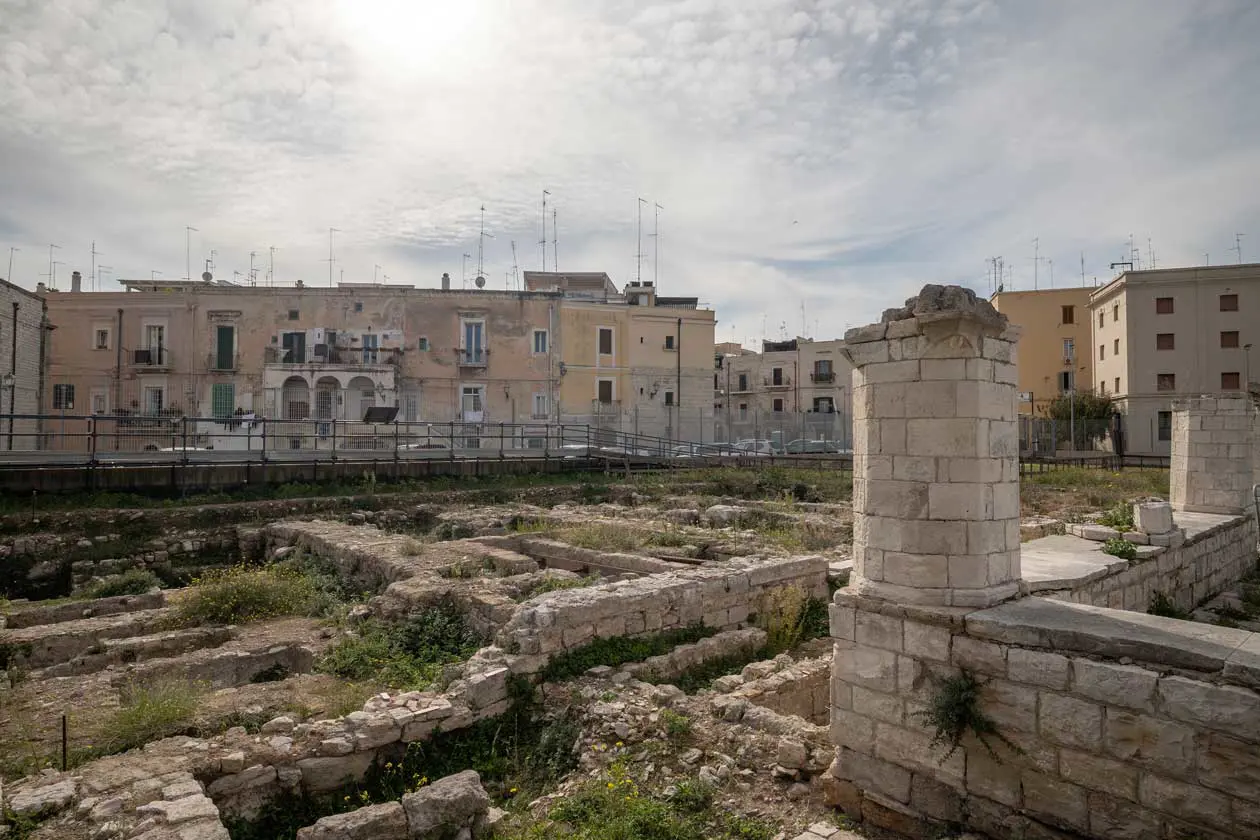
[
  {"x": 935, "y": 453},
  {"x": 1212, "y": 451}
]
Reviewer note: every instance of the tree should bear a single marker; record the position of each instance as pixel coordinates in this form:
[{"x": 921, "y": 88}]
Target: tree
[{"x": 1091, "y": 412}]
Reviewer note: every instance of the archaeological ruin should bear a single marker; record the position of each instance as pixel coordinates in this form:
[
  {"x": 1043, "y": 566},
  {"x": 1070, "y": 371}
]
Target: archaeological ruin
[{"x": 928, "y": 643}]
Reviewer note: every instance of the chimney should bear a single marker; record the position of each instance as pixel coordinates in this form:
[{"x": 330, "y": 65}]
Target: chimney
[
  {"x": 446, "y": 282},
  {"x": 76, "y": 282}
]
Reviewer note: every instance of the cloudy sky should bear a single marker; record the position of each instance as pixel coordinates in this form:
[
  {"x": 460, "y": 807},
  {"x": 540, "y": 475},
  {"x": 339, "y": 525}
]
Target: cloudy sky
[{"x": 823, "y": 157}]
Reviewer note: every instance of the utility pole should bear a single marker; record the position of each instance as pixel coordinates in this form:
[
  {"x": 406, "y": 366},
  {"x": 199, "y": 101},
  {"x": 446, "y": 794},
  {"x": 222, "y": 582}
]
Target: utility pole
[
  {"x": 10, "y": 275},
  {"x": 555, "y": 245},
  {"x": 189, "y": 230},
  {"x": 271, "y": 265},
  {"x": 1051, "y": 262},
  {"x": 1082, "y": 269}
]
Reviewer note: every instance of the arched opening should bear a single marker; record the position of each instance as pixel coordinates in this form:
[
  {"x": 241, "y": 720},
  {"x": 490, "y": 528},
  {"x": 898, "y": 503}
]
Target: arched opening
[
  {"x": 295, "y": 399},
  {"x": 326, "y": 388},
  {"x": 360, "y": 396}
]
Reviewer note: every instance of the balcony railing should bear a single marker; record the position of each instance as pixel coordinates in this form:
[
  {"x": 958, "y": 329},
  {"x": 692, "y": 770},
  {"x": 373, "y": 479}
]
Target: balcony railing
[
  {"x": 477, "y": 357},
  {"x": 822, "y": 377},
  {"x": 232, "y": 362},
  {"x": 782, "y": 382},
  {"x": 152, "y": 357}
]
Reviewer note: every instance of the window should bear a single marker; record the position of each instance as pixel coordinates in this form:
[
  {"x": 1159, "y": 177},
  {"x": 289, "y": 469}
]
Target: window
[
  {"x": 1102, "y": 352},
  {"x": 1117, "y": 388},
  {"x": 294, "y": 345},
  {"x": 1115, "y": 347},
  {"x": 824, "y": 405},
  {"x": 669, "y": 342},
  {"x": 605, "y": 390},
  {"x": 1069, "y": 314},
  {"x": 669, "y": 398},
  {"x": 1165, "y": 425},
  {"x": 1229, "y": 303},
  {"x": 411, "y": 407},
  {"x": 822, "y": 367},
  {"x": 1163, "y": 306},
  {"x": 778, "y": 405},
  {"x": 1229, "y": 339},
  {"x": 1069, "y": 350},
  {"x": 154, "y": 400},
  {"x": 1102, "y": 387},
  {"x": 1101, "y": 317},
  {"x": 540, "y": 407},
  {"x": 473, "y": 342},
  {"x": 715, "y": 382},
  {"x": 222, "y": 399},
  {"x": 1115, "y": 312},
  {"x": 605, "y": 341},
  {"x": 743, "y": 382},
  {"x": 776, "y": 376},
  {"x": 371, "y": 348},
  {"x": 224, "y": 347},
  {"x": 293, "y": 314},
  {"x": 1230, "y": 381},
  {"x": 540, "y": 341},
  {"x": 1067, "y": 379},
  {"x": 472, "y": 401},
  {"x": 1165, "y": 382},
  {"x": 63, "y": 397},
  {"x": 1165, "y": 341},
  {"x": 101, "y": 340},
  {"x": 358, "y": 306},
  {"x": 423, "y": 344},
  {"x": 743, "y": 411}
]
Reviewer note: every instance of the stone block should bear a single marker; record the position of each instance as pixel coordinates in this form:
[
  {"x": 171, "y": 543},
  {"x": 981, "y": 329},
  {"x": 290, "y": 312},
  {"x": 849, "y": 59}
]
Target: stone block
[
  {"x": 867, "y": 667},
  {"x": 935, "y": 800},
  {"x": 386, "y": 821},
  {"x": 936, "y": 538},
  {"x": 992, "y": 779},
  {"x": 932, "y": 399},
  {"x": 323, "y": 774},
  {"x": 445, "y": 805},
  {"x": 1034, "y": 667},
  {"x": 927, "y": 641},
  {"x": 1101, "y": 774},
  {"x": 979, "y": 656},
  {"x": 882, "y": 707},
  {"x": 1118, "y": 819},
  {"x": 1070, "y": 722},
  {"x": 873, "y": 774},
  {"x": 967, "y": 571},
  {"x": 1055, "y": 801},
  {"x": 914, "y": 749},
  {"x": 1224, "y": 707},
  {"x": 1188, "y": 801},
  {"x": 956, "y": 438},
  {"x": 1013, "y": 707},
  {"x": 843, "y": 622},
  {"x": 1230, "y": 765},
  {"x": 877, "y": 630},
  {"x": 1118, "y": 685},
  {"x": 916, "y": 570},
  {"x": 1153, "y": 517},
  {"x": 852, "y": 730},
  {"x": 959, "y": 500}
]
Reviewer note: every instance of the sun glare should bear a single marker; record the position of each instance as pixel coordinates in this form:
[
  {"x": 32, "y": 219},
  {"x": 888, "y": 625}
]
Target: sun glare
[{"x": 412, "y": 34}]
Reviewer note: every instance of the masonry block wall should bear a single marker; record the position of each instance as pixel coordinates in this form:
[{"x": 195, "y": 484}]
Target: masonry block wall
[{"x": 1212, "y": 451}]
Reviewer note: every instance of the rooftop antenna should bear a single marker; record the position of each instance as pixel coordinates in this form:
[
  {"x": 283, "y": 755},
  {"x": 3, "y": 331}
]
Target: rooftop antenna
[
  {"x": 210, "y": 260},
  {"x": 331, "y": 259},
  {"x": 1082, "y": 269},
  {"x": 341, "y": 278},
  {"x": 1051, "y": 262},
  {"x": 236, "y": 275},
  {"x": 1150, "y": 252},
  {"x": 189, "y": 230},
  {"x": 95, "y": 254},
  {"x": 480, "y": 280},
  {"x": 555, "y": 252},
  {"x": 375, "y": 270},
  {"x": 52, "y": 273},
  {"x": 99, "y": 269},
  {"x": 463, "y": 271},
  {"x": 9, "y": 276},
  {"x": 638, "y": 257},
  {"x": 271, "y": 264},
  {"x": 52, "y": 276},
  {"x": 1238, "y": 246},
  {"x": 515, "y": 269},
  {"x": 1036, "y": 259},
  {"x": 153, "y": 275},
  {"x": 804, "y": 326},
  {"x": 656, "y": 246},
  {"x": 1134, "y": 252},
  {"x": 543, "y": 242},
  {"x": 1206, "y": 260},
  {"x": 253, "y": 272}
]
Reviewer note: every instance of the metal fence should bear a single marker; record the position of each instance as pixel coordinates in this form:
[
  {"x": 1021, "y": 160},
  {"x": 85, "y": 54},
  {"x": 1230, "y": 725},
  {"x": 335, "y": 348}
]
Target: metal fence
[
  {"x": 1046, "y": 437},
  {"x": 782, "y": 428}
]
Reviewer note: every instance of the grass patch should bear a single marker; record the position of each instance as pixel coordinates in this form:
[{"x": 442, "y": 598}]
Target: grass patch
[
  {"x": 1081, "y": 490},
  {"x": 406, "y": 655},
  {"x": 610, "y": 536},
  {"x": 298, "y": 585},
  {"x": 790, "y": 616},
  {"x": 1119, "y": 516},
  {"x": 1164, "y": 606},
  {"x": 805, "y": 536},
  {"x": 619, "y": 650},
  {"x": 150, "y": 712},
  {"x": 130, "y": 582},
  {"x": 556, "y": 583},
  {"x": 954, "y": 711}
]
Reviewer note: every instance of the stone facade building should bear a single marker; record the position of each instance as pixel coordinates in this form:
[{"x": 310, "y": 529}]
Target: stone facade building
[{"x": 22, "y": 347}]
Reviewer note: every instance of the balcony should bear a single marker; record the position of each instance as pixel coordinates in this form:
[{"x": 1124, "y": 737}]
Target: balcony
[
  {"x": 332, "y": 358},
  {"x": 781, "y": 382},
  {"x": 472, "y": 358},
  {"x": 152, "y": 358},
  {"x": 223, "y": 364},
  {"x": 821, "y": 378}
]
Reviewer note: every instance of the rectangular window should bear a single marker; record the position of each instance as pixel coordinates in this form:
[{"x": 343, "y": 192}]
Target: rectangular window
[
  {"x": 1067, "y": 379},
  {"x": 1230, "y": 381},
  {"x": 1229, "y": 303},
  {"x": 1102, "y": 352},
  {"x": 1069, "y": 350},
  {"x": 743, "y": 411},
  {"x": 222, "y": 399},
  {"x": 1165, "y": 382},
  {"x": 473, "y": 342},
  {"x": 294, "y": 345},
  {"x": 743, "y": 382},
  {"x": 822, "y": 367},
  {"x": 605, "y": 341},
  {"x": 605, "y": 392},
  {"x": 1229, "y": 339},
  {"x": 472, "y": 402},
  {"x": 1115, "y": 312},
  {"x": 423, "y": 344},
  {"x": 540, "y": 407},
  {"x": 411, "y": 407},
  {"x": 224, "y": 347},
  {"x": 371, "y": 348},
  {"x": 1164, "y": 306},
  {"x": 1117, "y": 388},
  {"x": 293, "y": 314},
  {"x": 1102, "y": 387},
  {"x": 63, "y": 397},
  {"x": 778, "y": 405},
  {"x": 100, "y": 403},
  {"x": 358, "y": 306},
  {"x": 669, "y": 342},
  {"x": 1165, "y": 341},
  {"x": 776, "y": 376},
  {"x": 155, "y": 343},
  {"x": 102, "y": 339},
  {"x": 540, "y": 341},
  {"x": 1165, "y": 425},
  {"x": 154, "y": 400},
  {"x": 669, "y": 398},
  {"x": 1069, "y": 314},
  {"x": 1101, "y": 317},
  {"x": 1115, "y": 347},
  {"x": 824, "y": 405}
]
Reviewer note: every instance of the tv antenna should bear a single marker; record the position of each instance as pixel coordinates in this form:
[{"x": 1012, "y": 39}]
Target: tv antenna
[
  {"x": 1150, "y": 253},
  {"x": 99, "y": 269},
  {"x": 1082, "y": 269},
  {"x": 555, "y": 252},
  {"x": 331, "y": 258},
  {"x": 515, "y": 278},
  {"x": 1238, "y": 246},
  {"x": 638, "y": 257},
  {"x": 463, "y": 271},
  {"x": 656, "y": 246},
  {"x": 480, "y": 281},
  {"x": 52, "y": 276},
  {"x": 253, "y": 272},
  {"x": 543, "y": 242},
  {"x": 12, "y": 250},
  {"x": 375, "y": 270},
  {"x": 189, "y": 230},
  {"x": 271, "y": 264},
  {"x": 95, "y": 254}
]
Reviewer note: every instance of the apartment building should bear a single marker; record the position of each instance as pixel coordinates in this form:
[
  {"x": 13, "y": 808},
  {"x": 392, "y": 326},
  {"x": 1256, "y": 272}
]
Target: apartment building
[
  {"x": 1164, "y": 334},
  {"x": 792, "y": 389},
  {"x": 160, "y": 351},
  {"x": 22, "y": 347},
  {"x": 632, "y": 361},
  {"x": 1054, "y": 349}
]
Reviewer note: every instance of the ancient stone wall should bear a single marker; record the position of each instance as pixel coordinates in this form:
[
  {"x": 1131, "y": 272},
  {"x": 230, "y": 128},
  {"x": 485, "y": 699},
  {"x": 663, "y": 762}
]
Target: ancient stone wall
[
  {"x": 1212, "y": 449},
  {"x": 1111, "y": 724},
  {"x": 802, "y": 689}
]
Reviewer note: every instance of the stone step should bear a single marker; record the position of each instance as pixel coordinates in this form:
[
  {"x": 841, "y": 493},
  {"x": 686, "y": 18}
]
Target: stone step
[
  {"x": 171, "y": 643},
  {"x": 222, "y": 667},
  {"x": 36, "y": 614},
  {"x": 49, "y": 644}
]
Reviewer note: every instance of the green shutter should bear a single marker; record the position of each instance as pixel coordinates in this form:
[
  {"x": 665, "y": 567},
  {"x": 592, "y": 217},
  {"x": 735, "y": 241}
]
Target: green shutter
[
  {"x": 223, "y": 399},
  {"x": 224, "y": 348}
]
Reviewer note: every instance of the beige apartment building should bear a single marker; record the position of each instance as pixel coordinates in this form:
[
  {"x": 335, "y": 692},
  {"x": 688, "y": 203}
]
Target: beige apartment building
[
  {"x": 791, "y": 390},
  {"x": 23, "y": 340},
  {"x": 1054, "y": 349},
  {"x": 1165, "y": 334},
  {"x": 162, "y": 351}
]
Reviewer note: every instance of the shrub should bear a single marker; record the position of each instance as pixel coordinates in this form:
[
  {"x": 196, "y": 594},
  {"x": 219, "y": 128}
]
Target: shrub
[
  {"x": 954, "y": 710},
  {"x": 789, "y": 616},
  {"x": 619, "y": 650},
  {"x": 150, "y": 712},
  {"x": 1164, "y": 606},
  {"x": 555, "y": 583},
  {"x": 242, "y": 594},
  {"x": 1119, "y": 517},
  {"x": 130, "y": 582},
  {"x": 677, "y": 725},
  {"x": 1118, "y": 547}
]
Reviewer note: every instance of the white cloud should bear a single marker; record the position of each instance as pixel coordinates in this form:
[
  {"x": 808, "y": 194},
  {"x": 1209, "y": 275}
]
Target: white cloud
[{"x": 833, "y": 152}]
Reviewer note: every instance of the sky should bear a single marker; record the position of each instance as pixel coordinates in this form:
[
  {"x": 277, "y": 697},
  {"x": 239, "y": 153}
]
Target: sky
[{"x": 807, "y": 163}]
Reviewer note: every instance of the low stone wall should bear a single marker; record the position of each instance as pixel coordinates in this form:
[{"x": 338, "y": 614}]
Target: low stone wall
[
  {"x": 454, "y": 806},
  {"x": 559, "y": 555},
  {"x": 37, "y": 615},
  {"x": 1113, "y": 724},
  {"x": 670, "y": 666},
  {"x": 722, "y": 596},
  {"x": 802, "y": 689},
  {"x": 1217, "y": 553}
]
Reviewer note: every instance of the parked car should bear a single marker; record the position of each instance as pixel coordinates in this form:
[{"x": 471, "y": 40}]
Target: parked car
[
  {"x": 752, "y": 446},
  {"x": 801, "y": 446}
]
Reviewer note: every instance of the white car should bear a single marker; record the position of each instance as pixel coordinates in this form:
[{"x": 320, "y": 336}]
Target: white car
[{"x": 754, "y": 447}]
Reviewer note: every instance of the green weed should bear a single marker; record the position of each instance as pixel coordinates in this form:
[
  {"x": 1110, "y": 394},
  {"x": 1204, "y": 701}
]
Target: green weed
[
  {"x": 954, "y": 710},
  {"x": 1164, "y": 606},
  {"x": 619, "y": 650},
  {"x": 130, "y": 582},
  {"x": 1120, "y": 547},
  {"x": 150, "y": 712},
  {"x": 242, "y": 594}
]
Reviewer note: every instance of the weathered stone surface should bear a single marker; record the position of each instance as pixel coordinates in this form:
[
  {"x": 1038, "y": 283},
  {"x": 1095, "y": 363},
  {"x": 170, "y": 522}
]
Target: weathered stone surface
[
  {"x": 387, "y": 821},
  {"x": 1150, "y": 742},
  {"x": 1069, "y": 721},
  {"x": 330, "y": 773},
  {"x": 1118, "y": 685},
  {"x": 1225, "y": 707},
  {"x": 1153, "y": 517},
  {"x": 1035, "y": 667},
  {"x": 181, "y": 810},
  {"x": 45, "y": 799},
  {"x": 446, "y": 804}
]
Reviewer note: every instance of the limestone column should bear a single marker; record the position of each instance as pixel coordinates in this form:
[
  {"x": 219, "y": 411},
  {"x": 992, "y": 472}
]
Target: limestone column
[
  {"x": 1212, "y": 451},
  {"x": 935, "y": 453}
]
